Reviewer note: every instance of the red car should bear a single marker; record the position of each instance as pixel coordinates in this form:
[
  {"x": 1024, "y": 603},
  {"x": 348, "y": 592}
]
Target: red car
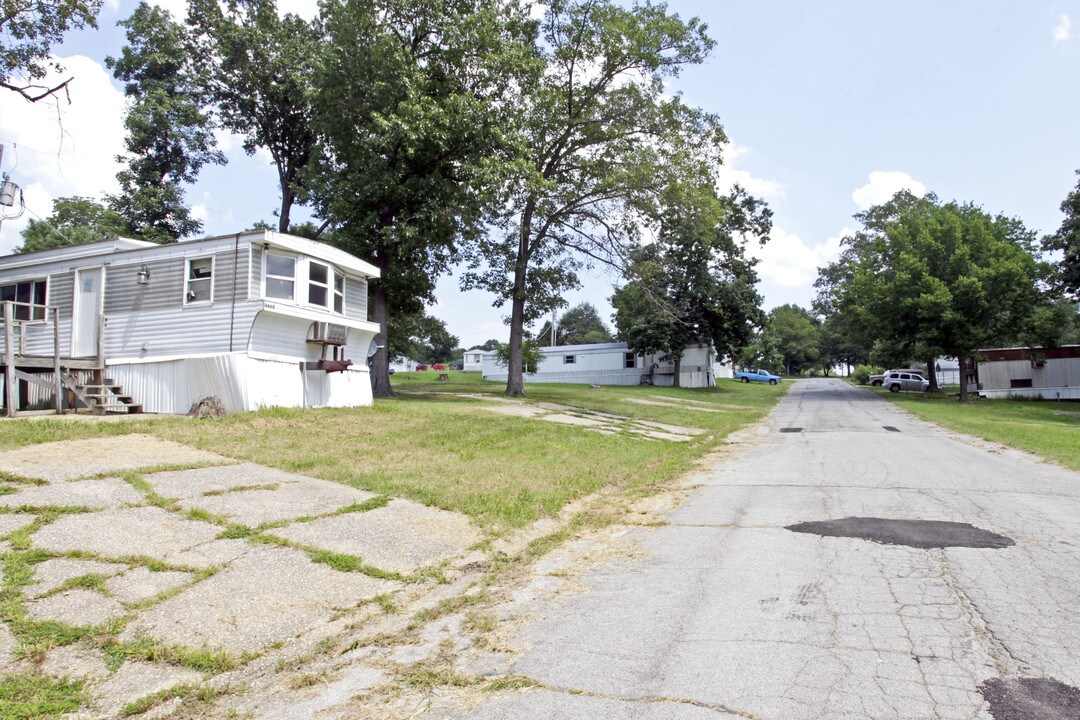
[
  {"x": 438, "y": 366},
  {"x": 421, "y": 367}
]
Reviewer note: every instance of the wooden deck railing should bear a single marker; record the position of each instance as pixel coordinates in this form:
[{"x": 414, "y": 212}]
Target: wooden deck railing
[{"x": 16, "y": 325}]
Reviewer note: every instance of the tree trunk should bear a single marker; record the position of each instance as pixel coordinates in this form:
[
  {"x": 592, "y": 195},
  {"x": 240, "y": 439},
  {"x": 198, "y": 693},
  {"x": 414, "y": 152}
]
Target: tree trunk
[
  {"x": 515, "y": 371},
  {"x": 286, "y": 209},
  {"x": 678, "y": 371},
  {"x": 515, "y": 377},
  {"x": 380, "y": 361},
  {"x": 287, "y": 197},
  {"x": 963, "y": 379},
  {"x": 931, "y": 375}
]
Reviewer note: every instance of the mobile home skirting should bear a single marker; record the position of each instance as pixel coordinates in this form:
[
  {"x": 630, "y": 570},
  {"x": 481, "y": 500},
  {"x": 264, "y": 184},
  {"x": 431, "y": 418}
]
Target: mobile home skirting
[{"x": 242, "y": 382}]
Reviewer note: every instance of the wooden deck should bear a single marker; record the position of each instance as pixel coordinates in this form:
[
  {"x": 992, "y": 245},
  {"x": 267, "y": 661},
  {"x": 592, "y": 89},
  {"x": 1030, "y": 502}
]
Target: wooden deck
[
  {"x": 48, "y": 363},
  {"x": 18, "y": 367}
]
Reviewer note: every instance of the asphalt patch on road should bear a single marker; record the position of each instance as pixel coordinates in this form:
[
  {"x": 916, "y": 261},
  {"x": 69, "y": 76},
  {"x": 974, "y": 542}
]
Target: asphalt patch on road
[
  {"x": 1031, "y": 699},
  {"x": 923, "y": 534},
  {"x": 890, "y": 428},
  {"x": 790, "y": 430}
]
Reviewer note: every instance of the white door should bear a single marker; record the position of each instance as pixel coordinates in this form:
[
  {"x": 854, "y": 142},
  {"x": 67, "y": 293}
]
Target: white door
[{"x": 84, "y": 326}]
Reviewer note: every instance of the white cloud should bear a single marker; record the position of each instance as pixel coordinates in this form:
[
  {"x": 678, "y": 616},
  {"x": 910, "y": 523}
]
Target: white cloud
[
  {"x": 883, "y": 185},
  {"x": 56, "y": 149},
  {"x": 787, "y": 261},
  {"x": 729, "y": 176},
  {"x": 307, "y": 9},
  {"x": 177, "y": 8},
  {"x": 1063, "y": 30}
]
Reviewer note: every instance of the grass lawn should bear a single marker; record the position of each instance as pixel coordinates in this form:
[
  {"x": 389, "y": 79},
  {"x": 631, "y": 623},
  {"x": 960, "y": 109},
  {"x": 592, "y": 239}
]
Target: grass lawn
[
  {"x": 437, "y": 446},
  {"x": 1048, "y": 429}
]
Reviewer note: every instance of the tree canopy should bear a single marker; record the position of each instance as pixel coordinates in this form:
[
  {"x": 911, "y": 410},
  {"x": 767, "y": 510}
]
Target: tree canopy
[
  {"x": 597, "y": 140},
  {"x": 931, "y": 279},
  {"x": 580, "y": 325},
  {"x": 259, "y": 72},
  {"x": 74, "y": 221},
  {"x": 694, "y": 284},
  {"x": 170, "y": 134},
  {"x": 421, "y": 337},
  {"x": 1067, "y": 241},
  {"x": 28, "y": 30},
  {"x": 408, "y": 98},
  {"x": 796, "y": 335}
]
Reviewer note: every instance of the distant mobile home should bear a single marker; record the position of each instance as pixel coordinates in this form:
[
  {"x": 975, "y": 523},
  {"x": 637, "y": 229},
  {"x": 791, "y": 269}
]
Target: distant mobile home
[
  {"x": 473, "y": 361},
  {"x": 257, "y": 319},
  {"x": 1049, "y": 373},
  {"x": 616, "y": 364}
]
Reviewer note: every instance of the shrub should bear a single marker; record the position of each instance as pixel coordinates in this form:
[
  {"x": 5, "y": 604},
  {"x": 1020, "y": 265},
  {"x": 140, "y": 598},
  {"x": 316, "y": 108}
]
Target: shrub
[{"x": 862, "y": 373}]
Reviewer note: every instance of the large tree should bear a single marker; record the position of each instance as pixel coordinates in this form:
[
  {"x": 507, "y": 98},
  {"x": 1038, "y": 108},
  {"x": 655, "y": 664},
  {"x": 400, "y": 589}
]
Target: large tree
[
  {"x": 259, "y": 71},
  {"x": 836, "y": 348},
  {"x": 74, "y": 221},
  {"x": 28, "y": 30},
  {"x": 1067, "y": 241},
  {"x": 796, "y": 335},
  {"x": 580, "y": 325},
  {"x": 600, "y": 137},
  {"x": 695, "y": 283},
  {"x": 938, "y": 279},
  {"x": 169, "y": 134},
  {"x": 409, "y": 98},
  {"x": 421, "y": 337}
]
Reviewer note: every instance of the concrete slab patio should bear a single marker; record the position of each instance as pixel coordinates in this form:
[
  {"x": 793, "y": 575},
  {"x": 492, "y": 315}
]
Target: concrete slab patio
[
  {"x": 148, "y": 531},
  {"x": 166, "y": 574},
  {"x": 68, "y": 459},
  {"x": 103, "y": 493},
  {"x": 268, "y": 595},
  {"x": 286, "y": 501},
  {"x": 401, "y": 537}
]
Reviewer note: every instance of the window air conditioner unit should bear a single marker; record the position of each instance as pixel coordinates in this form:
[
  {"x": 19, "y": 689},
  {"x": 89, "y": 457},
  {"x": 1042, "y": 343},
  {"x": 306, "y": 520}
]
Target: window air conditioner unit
[{"x": 328, "y": 333}]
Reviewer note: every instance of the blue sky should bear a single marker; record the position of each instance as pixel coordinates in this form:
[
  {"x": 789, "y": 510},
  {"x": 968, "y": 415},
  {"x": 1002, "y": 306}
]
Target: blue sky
[{"x": 830, "y": 106}]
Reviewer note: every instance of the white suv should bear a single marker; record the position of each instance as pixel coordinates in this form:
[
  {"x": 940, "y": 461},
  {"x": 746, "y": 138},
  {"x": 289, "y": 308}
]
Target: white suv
[{"x": 897, "y": 380}]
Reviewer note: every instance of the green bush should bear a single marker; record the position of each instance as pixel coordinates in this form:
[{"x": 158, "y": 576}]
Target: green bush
[{"x": 862, "y": 373}]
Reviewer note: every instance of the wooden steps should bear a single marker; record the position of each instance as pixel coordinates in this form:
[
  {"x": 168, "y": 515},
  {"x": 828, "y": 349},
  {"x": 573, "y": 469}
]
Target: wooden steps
[{"x": 103, "y": 399}]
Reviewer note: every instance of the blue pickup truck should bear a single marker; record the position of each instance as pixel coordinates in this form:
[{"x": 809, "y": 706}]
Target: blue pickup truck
[{"x": 757, "y": 376}]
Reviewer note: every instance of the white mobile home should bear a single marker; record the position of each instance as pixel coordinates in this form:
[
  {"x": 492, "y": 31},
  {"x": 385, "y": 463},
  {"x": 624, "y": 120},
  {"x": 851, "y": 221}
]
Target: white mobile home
[
  {"x": 473, "y": 361},
  {"x": 1049, "y": 373},
  {"x": 614, "y": 364},
  {"x": 257, "y": 319}
]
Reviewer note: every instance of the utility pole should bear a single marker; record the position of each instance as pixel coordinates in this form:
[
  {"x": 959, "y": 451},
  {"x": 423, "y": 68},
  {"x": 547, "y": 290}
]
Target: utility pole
[{"x": 553, "y": 343}]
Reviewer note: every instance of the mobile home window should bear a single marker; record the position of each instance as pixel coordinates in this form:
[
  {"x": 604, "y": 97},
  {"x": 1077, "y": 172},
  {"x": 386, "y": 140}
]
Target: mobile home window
[
  {"x": 29, "y": 296},
  {"x": 318, "y": 283},
  {"x": 569, "y": 359},
  {"x": 339, "y": 293},
  {"x": 631, "y": 360},
  {"x": 280, "y": 276},
  {"x": 199, "y": 283}
]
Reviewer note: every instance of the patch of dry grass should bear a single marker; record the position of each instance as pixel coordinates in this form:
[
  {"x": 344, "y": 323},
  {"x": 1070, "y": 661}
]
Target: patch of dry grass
[{"x": 436, "y": 447}]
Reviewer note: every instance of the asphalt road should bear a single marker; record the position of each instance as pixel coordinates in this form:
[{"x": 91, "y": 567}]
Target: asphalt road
[{"x": 732, "y": 614}]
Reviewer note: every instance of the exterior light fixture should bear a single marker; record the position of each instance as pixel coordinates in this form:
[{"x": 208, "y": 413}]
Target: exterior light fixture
[{"x": 143, "y": 278}]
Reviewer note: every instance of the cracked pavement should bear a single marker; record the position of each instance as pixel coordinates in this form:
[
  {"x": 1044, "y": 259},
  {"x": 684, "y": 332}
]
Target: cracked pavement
[{"x": 725, "y": 613}]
